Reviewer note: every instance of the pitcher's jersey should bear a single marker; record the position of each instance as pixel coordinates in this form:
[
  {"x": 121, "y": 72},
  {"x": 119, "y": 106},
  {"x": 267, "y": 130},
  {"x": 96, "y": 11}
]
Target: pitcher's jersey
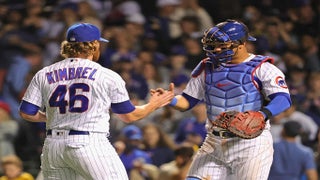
[{"x": 76, "y": 94}]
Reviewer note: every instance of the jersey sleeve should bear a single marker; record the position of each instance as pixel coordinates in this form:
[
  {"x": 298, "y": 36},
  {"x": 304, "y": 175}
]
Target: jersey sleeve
[
  {"x": 196, "y": 87},
  {"x": 272, "y": 79},
  {"x": 118, "y": 92},
  {"x": 33, "y": 94}
]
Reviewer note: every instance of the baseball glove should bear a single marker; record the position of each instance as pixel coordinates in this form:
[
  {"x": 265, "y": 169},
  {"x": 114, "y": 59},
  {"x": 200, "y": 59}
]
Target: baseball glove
[{"x": 247, "y": 125}]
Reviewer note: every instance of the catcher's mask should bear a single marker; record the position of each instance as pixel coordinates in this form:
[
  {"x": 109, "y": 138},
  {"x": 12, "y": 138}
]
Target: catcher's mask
[{"x": 226, "y": 35}]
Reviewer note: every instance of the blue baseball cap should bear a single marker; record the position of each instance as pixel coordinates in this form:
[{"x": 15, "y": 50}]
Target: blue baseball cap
[
  {"x": 84, "y": 32},
  {"x": 132, "y": 132}
]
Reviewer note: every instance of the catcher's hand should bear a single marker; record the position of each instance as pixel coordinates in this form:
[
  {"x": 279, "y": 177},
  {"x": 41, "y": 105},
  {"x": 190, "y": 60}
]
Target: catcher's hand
[{"x": 247, "y": 125}]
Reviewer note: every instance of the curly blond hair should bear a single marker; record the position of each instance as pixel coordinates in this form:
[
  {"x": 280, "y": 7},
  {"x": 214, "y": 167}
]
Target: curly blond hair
[{"x": 74, "y": 49}]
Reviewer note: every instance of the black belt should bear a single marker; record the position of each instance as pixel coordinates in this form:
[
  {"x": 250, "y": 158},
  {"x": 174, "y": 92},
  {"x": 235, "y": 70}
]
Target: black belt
[
  {"x": 71, "y": 132},
  {"x": 223, "y": 134}
]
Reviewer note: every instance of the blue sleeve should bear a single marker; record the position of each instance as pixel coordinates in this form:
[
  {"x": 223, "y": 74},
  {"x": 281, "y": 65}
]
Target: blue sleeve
[
  {"x": 123, "y": 107},
  {"x": 279, "y": 103},
  {"x": 309, "y": 160},
  {"x": 17, "y": 80},
  {"x": 192, "y": 101},
  {"x": 28, "y": 108}
]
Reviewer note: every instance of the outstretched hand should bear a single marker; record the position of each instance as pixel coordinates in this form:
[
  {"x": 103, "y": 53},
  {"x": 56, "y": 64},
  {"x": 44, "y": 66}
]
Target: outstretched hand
[
  {"x": 161, "y": 96},
  {"x": 161, "y": 90}
]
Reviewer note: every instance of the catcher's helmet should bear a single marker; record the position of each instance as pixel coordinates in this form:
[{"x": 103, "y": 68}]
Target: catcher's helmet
[
  {"x": 236, "y": 31},
  {"x": 230, "y": 31}
]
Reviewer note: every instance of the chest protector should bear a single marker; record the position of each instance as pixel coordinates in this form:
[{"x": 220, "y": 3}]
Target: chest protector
[{"x": 233, "y": 87}]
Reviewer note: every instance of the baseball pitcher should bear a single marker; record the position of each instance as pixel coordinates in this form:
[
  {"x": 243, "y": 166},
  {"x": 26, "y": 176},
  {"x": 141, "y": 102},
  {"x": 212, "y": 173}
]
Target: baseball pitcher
[{"x": 76, "y": 95}]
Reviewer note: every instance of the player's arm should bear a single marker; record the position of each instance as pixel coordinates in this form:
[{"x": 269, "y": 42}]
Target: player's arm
[
  {"x": 183, "y": 102},
  {"x": 279, "y": 103},
  {"x": 274, "y": 86},
  {"x": 130, "y": 113},
  {"x": 192, "y": 94},
  {"x": 31, "y": 112},
  {"x": 30, "y": 105},
  {"x": 311, "y": 174}
]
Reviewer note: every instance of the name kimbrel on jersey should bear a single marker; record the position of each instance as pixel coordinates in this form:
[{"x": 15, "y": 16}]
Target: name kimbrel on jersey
[{"x": 70, "y": 74}]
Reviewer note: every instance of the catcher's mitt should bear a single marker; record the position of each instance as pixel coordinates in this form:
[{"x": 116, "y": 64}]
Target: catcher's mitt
[{"x": 247, "y": 125}]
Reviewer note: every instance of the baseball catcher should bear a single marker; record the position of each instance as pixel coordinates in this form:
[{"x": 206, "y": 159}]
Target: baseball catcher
[{"x": 242, "y": 91}]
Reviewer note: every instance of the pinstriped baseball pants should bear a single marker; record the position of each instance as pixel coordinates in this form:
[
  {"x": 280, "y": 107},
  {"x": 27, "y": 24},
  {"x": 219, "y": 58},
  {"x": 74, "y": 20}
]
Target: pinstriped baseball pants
[
  {"x": 76, "y": 157},
  {"x": 234, "y": 158}
]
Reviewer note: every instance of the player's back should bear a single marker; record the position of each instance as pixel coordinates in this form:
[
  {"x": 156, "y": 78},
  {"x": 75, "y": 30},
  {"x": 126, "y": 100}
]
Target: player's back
[{"x": 76, "y": 93}]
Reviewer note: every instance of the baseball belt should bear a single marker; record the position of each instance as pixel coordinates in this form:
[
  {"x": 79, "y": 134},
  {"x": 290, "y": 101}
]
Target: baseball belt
[
  {"x": 223, "y": 134},
  {"x": 71, "y": 132}
]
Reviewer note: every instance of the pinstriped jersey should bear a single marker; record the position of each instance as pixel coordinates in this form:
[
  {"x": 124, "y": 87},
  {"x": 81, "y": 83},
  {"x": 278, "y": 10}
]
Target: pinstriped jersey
[
  {"x": 271, "y": 78},
  {"x": 76, "y": 94}
]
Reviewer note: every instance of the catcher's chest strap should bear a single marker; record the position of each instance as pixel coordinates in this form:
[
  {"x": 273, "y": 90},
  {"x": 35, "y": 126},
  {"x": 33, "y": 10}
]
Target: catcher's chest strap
[{"x": 223, "y": 134}]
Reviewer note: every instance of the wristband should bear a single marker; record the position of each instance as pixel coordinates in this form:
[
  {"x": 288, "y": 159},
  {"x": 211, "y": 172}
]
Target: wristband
[
  {"x": 173, "y": 102},
  {"x": 267, "y": 114}
]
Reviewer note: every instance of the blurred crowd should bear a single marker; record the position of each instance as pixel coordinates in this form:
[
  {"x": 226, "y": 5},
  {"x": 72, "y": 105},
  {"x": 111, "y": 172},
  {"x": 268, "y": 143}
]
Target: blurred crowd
[{"x": 153, "y": 43}]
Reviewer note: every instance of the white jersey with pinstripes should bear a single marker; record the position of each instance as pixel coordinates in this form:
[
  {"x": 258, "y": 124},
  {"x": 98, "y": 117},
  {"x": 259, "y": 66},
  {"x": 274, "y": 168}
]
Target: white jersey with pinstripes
[
  {"x": 77, "y": 94},
  {"x": 236, "y": 158},
  {"x": 267, "y": 73}
]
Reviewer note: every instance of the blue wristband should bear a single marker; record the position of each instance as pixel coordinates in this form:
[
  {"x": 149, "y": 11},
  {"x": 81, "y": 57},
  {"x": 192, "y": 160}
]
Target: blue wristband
[{"x": 173, "y": 102}]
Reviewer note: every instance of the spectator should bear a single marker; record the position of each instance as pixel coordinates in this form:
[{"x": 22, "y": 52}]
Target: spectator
[
  {"x": 140, "y": 169},
  {"x": 190, "y": 27},
  {"x": 174, "y": 170},
  {"x": 194, "y": 52},
  {"x": 13, "y": 36},
  {"x": 28, "y": 145},
  {"x": 17, "y": 78},
  {"x": 132, "y": 139},
  {"x": 13, "y": 169},
  {"x": 193, "y": 8},
  {"x": 34, "y": 21},
  {"x": 157, "y": 144},
  {"x": 134, "y": 25},
  {"x": 292, "y": 60},
  {"x": 162, "y": 24},
  {"x": 135, "y": 83},
  {"x": 291, "y": 159},
  {"x": 251, "y": 16},
  {"x": 306, "y": 17},
  {"x": 152, "y": 75},
  {"x": 143, "y": 171},
  {"x": 297, "y": 77},
  {"x": 180, "y": 81},
  {"x": 8, "y": 130},
  {"x": 313, "y": 97},
  {"x": 193, "y": 129},
  {"x": 274, "y": 36},
  {"x": 88, "y": 14},
  {"x": 309, "y": 128},
  {"x": 177, "y": 64},
  {"x": 68, "y": 12},
  {"x": 150, "y": 48},
  {"x": 121, "y": 9},
  {"x": 310, "y": 52},
  {"x": 54, "y": 32}
]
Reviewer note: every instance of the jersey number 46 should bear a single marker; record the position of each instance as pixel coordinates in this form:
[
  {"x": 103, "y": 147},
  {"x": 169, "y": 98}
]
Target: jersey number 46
[{"x": 58, "y": 98}]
